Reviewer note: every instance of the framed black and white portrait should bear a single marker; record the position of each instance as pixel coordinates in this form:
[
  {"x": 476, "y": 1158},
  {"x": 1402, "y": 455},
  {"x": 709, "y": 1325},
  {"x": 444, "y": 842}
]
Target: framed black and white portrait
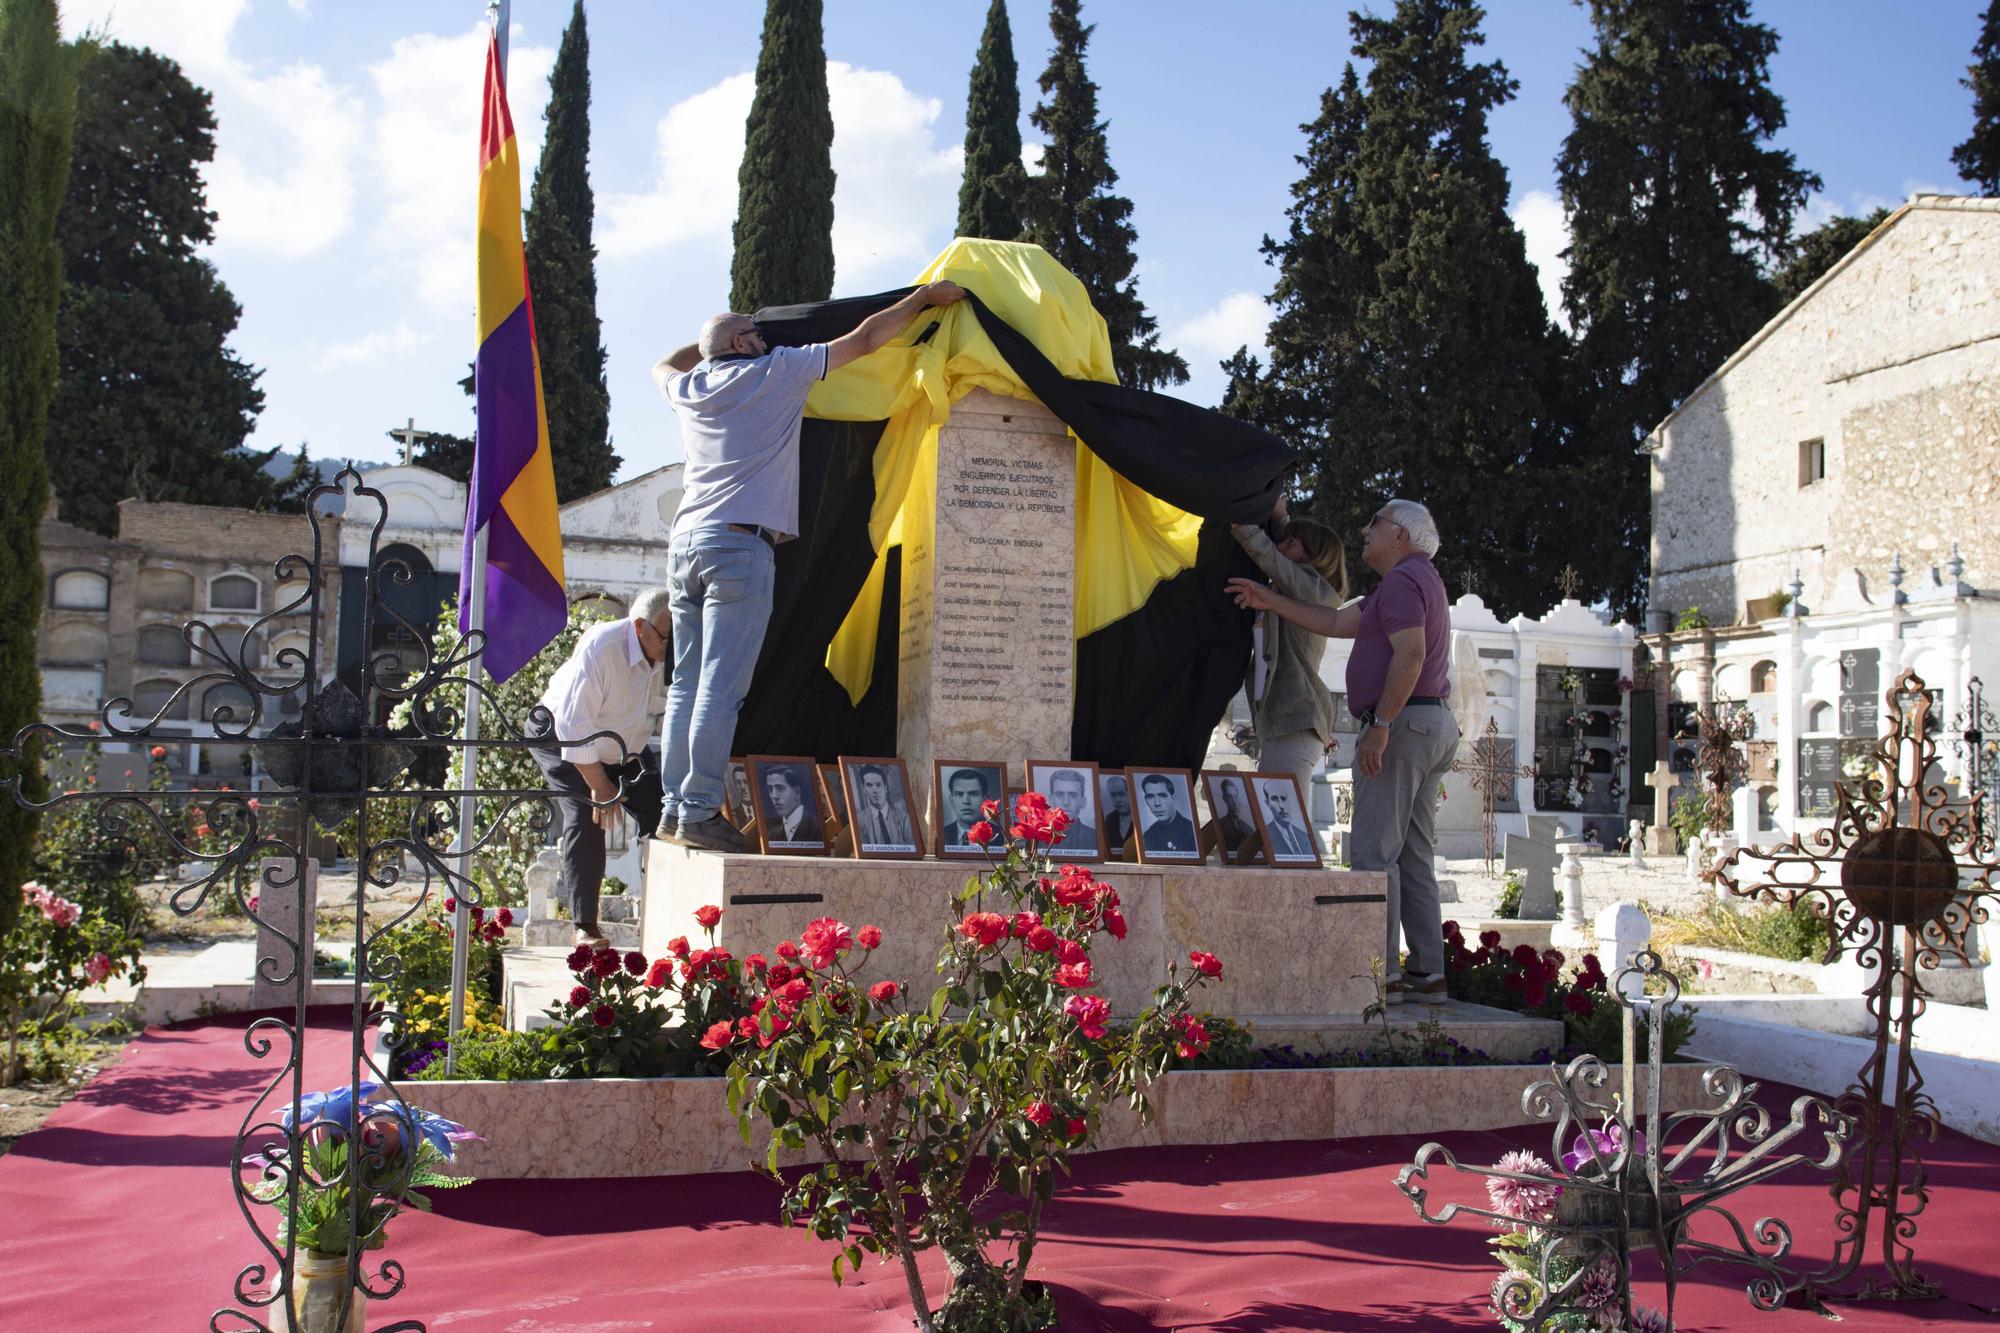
[
  {"x": 881, "y": 817},
  {"x": 791, "y": 821},
  {"x": 961, "y": 789},
  {"x": 1288, "y": 837},
  {"x": 1072, "y": 785},
  {"x": 1115, "y": 802},
  {"x": 1168, "y": 833},
  {"x": 737, "y": 807},
  {"x": 1231, "y": 812}
]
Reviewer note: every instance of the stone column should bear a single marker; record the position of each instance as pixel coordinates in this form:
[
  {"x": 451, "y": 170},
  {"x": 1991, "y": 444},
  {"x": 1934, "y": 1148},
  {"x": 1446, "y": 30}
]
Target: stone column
[{"x": 988, "y": 648}]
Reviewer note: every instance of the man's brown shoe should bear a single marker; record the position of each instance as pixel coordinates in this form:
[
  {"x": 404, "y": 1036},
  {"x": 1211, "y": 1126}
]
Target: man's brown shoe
[{"x": 714, "y": 834}]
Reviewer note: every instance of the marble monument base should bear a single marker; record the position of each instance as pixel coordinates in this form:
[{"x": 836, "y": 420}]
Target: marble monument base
[{"x": 1295, "y": 944}]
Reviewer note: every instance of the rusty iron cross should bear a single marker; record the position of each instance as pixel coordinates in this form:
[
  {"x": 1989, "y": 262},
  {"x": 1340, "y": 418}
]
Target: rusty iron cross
[
  {"x": 1491, "y": 767},
  {"x": 1899, "y": 856},
  {"x": 1569, "y": 581}
]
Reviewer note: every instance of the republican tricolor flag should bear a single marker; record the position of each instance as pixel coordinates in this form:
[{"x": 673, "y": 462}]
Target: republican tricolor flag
[{"x": 513, "y": 479}]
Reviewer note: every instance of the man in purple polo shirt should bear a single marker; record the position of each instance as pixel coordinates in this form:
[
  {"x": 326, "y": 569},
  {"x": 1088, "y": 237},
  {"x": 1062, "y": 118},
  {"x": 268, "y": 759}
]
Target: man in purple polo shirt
[{"x": 1398, "y": 685}]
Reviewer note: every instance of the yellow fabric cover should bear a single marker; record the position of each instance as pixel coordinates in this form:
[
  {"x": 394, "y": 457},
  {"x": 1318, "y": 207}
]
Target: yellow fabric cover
[{"x": 1126, "y": 540}]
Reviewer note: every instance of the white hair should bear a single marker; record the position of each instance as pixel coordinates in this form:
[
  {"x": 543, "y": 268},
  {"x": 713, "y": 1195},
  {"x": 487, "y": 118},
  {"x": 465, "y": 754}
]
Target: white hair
[
  {"x": 720, "y": 331},
  {"x": 648, "y": 604},
  {"x": 1416, "y": 520}
]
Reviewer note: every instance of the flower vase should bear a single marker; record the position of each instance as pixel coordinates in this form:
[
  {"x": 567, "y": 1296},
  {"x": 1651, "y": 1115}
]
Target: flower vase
[{"x": 319, "y": 1284}]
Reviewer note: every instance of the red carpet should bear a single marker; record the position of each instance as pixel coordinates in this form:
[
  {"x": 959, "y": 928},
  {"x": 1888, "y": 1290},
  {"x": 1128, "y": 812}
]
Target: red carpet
[{"x": 118, "y": 1215}]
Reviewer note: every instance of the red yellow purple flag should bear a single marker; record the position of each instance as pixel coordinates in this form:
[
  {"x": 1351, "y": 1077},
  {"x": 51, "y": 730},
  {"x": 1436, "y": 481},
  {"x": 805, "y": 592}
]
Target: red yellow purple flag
[{"x": 513, "y": 478}]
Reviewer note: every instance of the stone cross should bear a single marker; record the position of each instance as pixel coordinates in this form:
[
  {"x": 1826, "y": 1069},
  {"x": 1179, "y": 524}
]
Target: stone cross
[
  {"x": 1534, "y": 855},
  {"x": 1663, "y": 780},
  {"x": 409, "y": 436}
]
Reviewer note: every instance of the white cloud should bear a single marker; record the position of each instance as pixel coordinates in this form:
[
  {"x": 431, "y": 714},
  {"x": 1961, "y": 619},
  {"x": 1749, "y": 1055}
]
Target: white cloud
[
  {"x": 895, "y": 192},
  {"x": 1241, "y": 319},
  {"x": 372, "y": 347},
  {"x": 423, "y": 156},
  {"x": 1539, "y": 215},
  {"x": 282, "y": 181}
]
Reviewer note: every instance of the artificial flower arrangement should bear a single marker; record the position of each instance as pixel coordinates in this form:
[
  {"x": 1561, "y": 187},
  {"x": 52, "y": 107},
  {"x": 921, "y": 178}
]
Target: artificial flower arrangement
[{"x": 944, "y": 1120}]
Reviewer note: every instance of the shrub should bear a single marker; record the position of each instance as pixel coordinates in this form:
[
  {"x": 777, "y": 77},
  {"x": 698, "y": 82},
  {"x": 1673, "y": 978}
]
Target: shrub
[
  {"x": 54, "y": 953},
  {"x": 1529, "y": 982},
  {"x": 1689, "y": 817},
  {"x": 1511, "y": 888},
  {"x": 1691, "y": 617},
  {"x": 498, "y": 1054},
  {"x": 1795, "y": 934},
  {"x": 421, "y": 947}
]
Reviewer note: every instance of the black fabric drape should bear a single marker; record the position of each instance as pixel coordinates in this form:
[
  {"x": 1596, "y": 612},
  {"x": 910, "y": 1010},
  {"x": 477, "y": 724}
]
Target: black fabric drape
[{"x": 1149, "y": 688}]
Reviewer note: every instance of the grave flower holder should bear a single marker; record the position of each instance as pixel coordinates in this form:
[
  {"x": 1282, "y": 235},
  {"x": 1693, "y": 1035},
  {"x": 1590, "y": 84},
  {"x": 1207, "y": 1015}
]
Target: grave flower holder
[{"x": 1654, "y": 1184}]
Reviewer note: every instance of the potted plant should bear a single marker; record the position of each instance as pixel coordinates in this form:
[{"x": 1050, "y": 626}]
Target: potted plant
[{"x": 334, "y": 1202}]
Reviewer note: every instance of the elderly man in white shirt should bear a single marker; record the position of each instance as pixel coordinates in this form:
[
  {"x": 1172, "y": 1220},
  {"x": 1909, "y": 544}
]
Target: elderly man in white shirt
[{"x": 606, "y": 686}]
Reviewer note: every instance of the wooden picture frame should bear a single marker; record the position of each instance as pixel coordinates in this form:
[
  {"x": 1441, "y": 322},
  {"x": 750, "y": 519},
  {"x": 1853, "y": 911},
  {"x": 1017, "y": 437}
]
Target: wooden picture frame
[
  {"x": 1084, "y": 840},
  {"x": 1289, "y": 840},
  {"x": 800, "y": 773},
  {"x": 1236, "y": 832},
  {"x": 905, "y": 835},
  {"x": 834, "y": 801},
  {"x": 1113, "y": 784},
  {"x": 1172, "y": 839},
  {"x": 949, "y": 843},
  {"x": 737, "y": 805}
]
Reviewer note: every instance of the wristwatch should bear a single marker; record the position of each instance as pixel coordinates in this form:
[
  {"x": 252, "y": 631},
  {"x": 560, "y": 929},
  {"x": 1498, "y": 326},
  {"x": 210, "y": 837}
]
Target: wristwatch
[{"x": 1368, "y": 718}]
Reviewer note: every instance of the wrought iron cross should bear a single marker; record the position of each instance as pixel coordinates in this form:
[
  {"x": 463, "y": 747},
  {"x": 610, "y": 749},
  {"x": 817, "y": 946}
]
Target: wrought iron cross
[
  {"x": 1491, "y": 767},
  {"x": 1569, "y": 581},
  {"x": 1869, "y": 876}
]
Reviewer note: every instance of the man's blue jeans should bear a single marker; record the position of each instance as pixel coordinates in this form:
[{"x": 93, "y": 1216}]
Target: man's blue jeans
[{"x": 719, "y": 583}]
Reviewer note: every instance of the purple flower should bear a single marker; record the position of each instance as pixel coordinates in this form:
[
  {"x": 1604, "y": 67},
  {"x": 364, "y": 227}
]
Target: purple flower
[
  {"x": 1607, "y": 1142},
  {"x": 1523, "y": 1200},
  {"x": 1598, "y": 1289},
  {"x": 1645, "y": 1319}
]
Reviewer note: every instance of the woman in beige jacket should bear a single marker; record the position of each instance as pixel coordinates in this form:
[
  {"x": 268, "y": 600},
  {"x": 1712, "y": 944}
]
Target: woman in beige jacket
[{"x": 1289, "y": 704}]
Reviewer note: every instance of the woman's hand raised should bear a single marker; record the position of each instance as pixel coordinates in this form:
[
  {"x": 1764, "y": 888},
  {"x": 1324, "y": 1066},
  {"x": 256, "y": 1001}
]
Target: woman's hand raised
[{"x": 1252, "y": 595}]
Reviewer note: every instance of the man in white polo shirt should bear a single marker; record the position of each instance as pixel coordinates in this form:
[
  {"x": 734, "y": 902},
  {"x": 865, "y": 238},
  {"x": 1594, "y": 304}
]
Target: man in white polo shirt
[
  {"x": 605, "y": 686},
  {"x": 739, "y": 403}
]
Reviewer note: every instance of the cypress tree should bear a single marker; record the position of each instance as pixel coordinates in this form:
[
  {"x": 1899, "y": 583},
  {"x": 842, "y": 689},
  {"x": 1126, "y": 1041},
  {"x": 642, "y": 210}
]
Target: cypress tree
[
  {"x": 1978, "y": 158},
  {"x": 1676, "y": 209},
  {"x": 151, "y": 401},
  {"x": 1411, "y": 352},
  {"x": 1069, "y": 209},
  {"x": 992, "y": 134},
  {"x": 1819, "y": 250},
  {"x": 38, "y": 76},
  {"x": 562, "y": 278},
  {"x": 784, "y": 201}
]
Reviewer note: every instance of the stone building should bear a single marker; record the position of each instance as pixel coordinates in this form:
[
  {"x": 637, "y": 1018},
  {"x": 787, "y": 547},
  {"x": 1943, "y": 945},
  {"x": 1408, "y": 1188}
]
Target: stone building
[{"x": 1824, "y": 501}]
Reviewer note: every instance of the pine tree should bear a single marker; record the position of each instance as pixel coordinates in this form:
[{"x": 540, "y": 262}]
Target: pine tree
[
  {"x": 1819, "y": 250},
  {"x": 1676, "y": 210},
  {"x": 992, "y": 135},
  {"x": 784, "y": 203},
  {"x": 1411, "y": 352},
  {"x": 151, "y": 401},
  {"x": 38, "y": 79},
  {"x": 1978, "y": 158},
  {"x": 562, "y": 278},
  {"x": 1069, "y": 210}
]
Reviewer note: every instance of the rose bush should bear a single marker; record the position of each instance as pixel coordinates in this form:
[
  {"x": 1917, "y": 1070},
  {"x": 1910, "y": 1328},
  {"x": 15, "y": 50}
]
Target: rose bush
[
  {"x": 57, "y": 950},
  {"x": 945, "y": 1122},
  {"x": 1534, "y": 982}
]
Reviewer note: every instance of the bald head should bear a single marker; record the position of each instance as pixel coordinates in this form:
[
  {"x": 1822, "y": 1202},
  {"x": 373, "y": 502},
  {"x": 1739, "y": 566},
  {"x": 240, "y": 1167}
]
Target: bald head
[{"x": 730, "y": 333}]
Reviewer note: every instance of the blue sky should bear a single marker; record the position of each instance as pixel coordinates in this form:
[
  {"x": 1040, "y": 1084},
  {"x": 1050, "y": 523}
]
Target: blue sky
[{"x": 345, "y": 171}]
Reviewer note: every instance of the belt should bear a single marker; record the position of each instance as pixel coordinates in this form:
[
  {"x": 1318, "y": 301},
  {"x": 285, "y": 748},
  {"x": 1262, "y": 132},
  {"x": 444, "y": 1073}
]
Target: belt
[
  {"x": 762, "y": 534},
  {"x": 1437, "y": 699}
]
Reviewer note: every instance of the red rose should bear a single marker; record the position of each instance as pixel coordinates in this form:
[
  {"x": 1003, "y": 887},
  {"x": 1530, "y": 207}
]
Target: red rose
[
  {"x": 635, "y": 963},
  {"x": 1076, "y": 976},
  {"x": 780, "y": 1025},
  {"x": 788, "y": 950},
  {"x": 706, "y": 917},
  {"x": 1452, "y": 931},
  {"x": 159, "y": 752},
  {"x": 825, "y": 939},
  {"x": 1206, "y": 963},
  {"x": 990, "y": 808},
  {"x": 1525, "y": 955},
  {"x": 884, "y": 991},
  {"x": 790, "y": 996},
  {"x": 579, "y": 958},
  {"x": 1025, "y": 922},
  {"x": 451, "y": 904},
  {"x": 1489, "y": 939},
  {"x": 1041, "y": 939},
  {"x": 660, "y": 973},
  {"x": 717, "y": 1036},
  {"x": 1039, "y": 1113},
  {"x": 1078, "y": 1127},
  {"x": 1069, "y": 951},
  {"x": 780, "y": 974},
  {"x": 756, "y": 962},
  {"x": 478, "y": 913},
  {"x": 1579, "y": 1003},
  {"x": 678, "y": 946},
  {"x": 605, "y": 962},
  {"x": 869, "y": 937},
  {"x": 746, "y": 1028},
  {"x": 1077, "y": 887},
  {"x": 1114, "y": 921},
  {"x": 506, "y": 917},
  {"x": 604, "y": 1015},
  {"x": 1091, "y": 1013},
  {"x": 987, "y": 928},
  {"x": 981, "y": 833},
  {"x": 1194, "y": 1036},
  {"x": 579, "y": 996}
]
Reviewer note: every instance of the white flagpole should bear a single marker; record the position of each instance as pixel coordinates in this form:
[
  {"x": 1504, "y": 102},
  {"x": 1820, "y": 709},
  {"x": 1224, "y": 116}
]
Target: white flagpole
[{"x": 468, "y": 766}]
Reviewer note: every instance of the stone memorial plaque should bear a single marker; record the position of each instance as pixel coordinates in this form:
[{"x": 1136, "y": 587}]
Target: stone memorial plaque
[
  {"x": 1818, "y": 770},
  {"x": 988, "y": 646}
]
